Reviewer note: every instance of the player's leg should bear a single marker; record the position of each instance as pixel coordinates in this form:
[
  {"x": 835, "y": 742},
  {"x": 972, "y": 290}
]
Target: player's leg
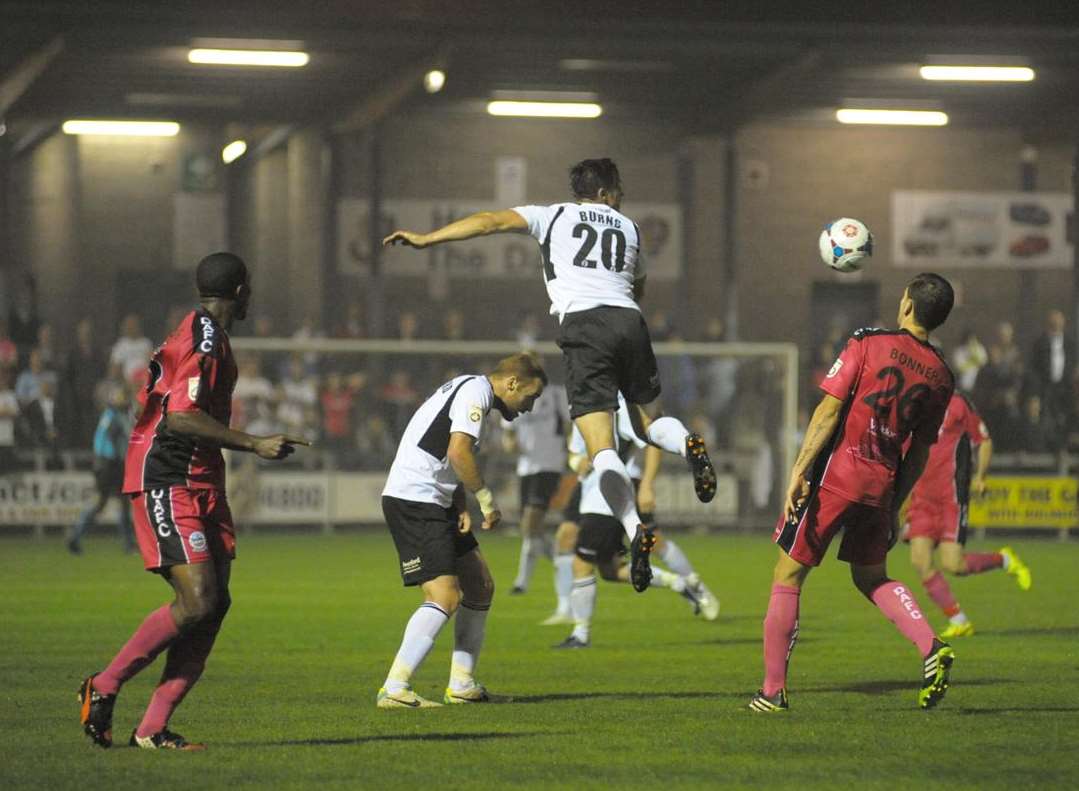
[
  {"x": 696, "y": 592},
  {"x": 896, "y": 601},
  {"x": 424, "y": 535},
  {"x": 597, "y": 429},
  {"x": 206, "y": 605},
  {"x": 565, "y": 541},
  {"x": 780, "y": 632},
  {"x": 477, "y": 593},
  {"x": 531, "y": 546},
  {"x": 582, "y": 603},
  {"x": 670, "y": 434},
  {"x": 86, "y": 521},
  {"x": 921, "y": 557}
]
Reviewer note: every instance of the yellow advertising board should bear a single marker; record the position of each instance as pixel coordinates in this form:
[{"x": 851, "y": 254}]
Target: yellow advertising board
[{"x": 1026, "y": 501}]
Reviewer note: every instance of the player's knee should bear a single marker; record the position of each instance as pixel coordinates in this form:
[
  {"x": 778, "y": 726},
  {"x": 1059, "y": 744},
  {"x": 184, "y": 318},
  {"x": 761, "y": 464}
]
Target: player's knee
[
  {"x": 956, "y": 566},
  {"x": 566, "y": 537},
  {"x": 609, "y": 571},
  {"x": 867, "y": 581},
  {"x": 193, "y": 611}
]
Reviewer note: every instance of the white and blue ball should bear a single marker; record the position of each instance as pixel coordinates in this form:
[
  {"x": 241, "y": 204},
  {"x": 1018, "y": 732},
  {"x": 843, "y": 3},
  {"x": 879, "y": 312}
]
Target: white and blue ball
[{"x": 845, "y": 243}]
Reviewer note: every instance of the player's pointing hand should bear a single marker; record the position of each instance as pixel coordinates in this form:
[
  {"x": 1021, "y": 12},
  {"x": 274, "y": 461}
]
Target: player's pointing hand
[
  {"x": 277, "y": 446},
  {"x": 407, "y": 238}
]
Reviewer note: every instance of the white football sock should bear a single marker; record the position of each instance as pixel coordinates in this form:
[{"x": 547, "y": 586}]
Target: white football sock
[
  {"x": 420, "y": 633},
  {"x": 617, "y": 489},
  {"x": 563, "y": 581},
  {"x": 530, "y": 550},
  {"x": 468, "y": 635},
  {"x": 959, "y": 618},
  {"x": 661, "y": 578},
  {"x": 674, "y": 558},
  {"x": 669, "y": 434},
  {"x": 583, "y": 603}
]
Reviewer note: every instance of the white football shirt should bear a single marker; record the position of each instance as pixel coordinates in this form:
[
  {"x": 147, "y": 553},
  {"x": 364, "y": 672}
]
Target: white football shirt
[
  {"x": 591, "y": 255},
  {"x": 541, "y": 433},
  {"x": 420, "y": 471},
  {"x": 592, "y": 499}
]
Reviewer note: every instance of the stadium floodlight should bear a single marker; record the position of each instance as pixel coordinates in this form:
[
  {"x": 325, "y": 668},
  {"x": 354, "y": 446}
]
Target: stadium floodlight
[
  {"x": 850, "y": 115},
  {"x": 248, "y": 57},
  {"x": 121, "y": 128},
  {"x": 434, "y": 80},
  {"x": 545, "y": 109},
  {"x": 978, "y": 73},
  {"x": 233, "y": 151}
]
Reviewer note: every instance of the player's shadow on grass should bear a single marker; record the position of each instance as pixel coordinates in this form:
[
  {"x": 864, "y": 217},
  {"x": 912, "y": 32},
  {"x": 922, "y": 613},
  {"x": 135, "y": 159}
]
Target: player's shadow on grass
[
  {"x": 390, "y": 737},
  {"x": 554, "y": 697},
  {"x": 729, "y": 641},
  {"x": 1033, "y": 631},
  {"x": 884, "y": 687}
]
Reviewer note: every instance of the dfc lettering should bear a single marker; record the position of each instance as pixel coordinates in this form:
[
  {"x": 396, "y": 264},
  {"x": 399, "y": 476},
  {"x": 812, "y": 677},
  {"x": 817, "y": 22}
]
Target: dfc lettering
[
  {"x": 908, "y": 602},
  {"x": 207, "y": 344},
  {"x": 157, "y": 510}
]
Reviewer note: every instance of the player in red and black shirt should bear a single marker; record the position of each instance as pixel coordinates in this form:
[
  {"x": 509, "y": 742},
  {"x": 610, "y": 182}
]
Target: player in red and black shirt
[
  {"x": 866, "y": 445},
  {"x": 175, "y": 476},
  {"x": 937, "y": 513}
]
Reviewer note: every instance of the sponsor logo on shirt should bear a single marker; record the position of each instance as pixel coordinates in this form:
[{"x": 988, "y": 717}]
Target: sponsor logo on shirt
[
  {"x": 197, "y": 540},
  {"x": 475, "y": 413},
  {"x": 193, "y": 388},
  {"x": 834, "y": 369},
  {"x": 410, "y": 566}
]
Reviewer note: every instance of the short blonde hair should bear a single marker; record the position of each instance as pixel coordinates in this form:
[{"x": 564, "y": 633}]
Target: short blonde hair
[{"x": 524, "y": 365}]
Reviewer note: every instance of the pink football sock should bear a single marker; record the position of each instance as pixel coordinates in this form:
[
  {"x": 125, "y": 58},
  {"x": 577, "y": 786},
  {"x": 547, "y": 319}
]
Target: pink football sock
[
  {"x": 900, "y": 607},
  {"x": 977, "y": 562},
  {"x": 150, "y": 639},
  {"x": 780, "y": 634},
  {"x": 941, "y": 594},
  {"x": 183, "y": 667}
]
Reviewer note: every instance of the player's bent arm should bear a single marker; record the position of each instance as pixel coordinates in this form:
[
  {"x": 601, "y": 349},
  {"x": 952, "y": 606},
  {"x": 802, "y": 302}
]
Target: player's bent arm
[
  {"x": 198, "y": 425},
  {"x": 985, "y": 454},
  {"x": 463, "y": 461},
  {"x": 821, "y": 425},
  {"x": 910, "y": 469},
  {"x": 482, "y": 223}
]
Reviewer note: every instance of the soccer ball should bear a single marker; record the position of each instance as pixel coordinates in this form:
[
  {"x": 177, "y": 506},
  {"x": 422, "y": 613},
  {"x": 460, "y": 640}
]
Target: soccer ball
[{"x": 844, "y": 243}]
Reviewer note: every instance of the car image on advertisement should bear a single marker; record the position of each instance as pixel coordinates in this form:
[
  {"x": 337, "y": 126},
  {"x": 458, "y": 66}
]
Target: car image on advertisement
[
  {"x": 1029, "y": 214},
  {"x": 1030, "y": 245}
]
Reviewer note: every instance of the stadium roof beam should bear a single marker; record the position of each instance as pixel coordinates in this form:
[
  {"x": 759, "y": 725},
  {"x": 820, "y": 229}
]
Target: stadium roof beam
[
  {"x": 15, "y": 84},
  {"x": 383, "y": 101},
  {"x": 769, "y": 89}
]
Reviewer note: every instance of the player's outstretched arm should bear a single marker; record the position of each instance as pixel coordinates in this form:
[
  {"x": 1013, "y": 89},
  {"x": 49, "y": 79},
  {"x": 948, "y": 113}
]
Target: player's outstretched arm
[
  {"x": 481, "y": 223},
  {"x": 463, "y": 460},
  {"x": 198, "y": 425},
  {"x": 910, "y": 469},
  {"x": 985, "y": 454},
  {"x": 821, "y": 425}
]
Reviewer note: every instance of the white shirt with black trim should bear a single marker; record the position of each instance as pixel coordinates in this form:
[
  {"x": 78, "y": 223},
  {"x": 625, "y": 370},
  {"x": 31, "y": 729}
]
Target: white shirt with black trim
[
  {"x": 591, "y": 255},
  {"x": 592, "y": 499},
  {"x": 541, "y": 433},
  {"x": 420, "y": 471}
]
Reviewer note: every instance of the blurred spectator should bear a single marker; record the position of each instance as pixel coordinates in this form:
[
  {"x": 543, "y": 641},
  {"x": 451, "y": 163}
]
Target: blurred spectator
[
  {"x": 173, "y": 318},
  {"x": 719, "y": 380},
  {"x": 352, "y": 325},
  {"x": 9, "y": 352},
  {"x": 274, "y": 364},
  {"x": 823, "y": 360},
  {"x": 375, "y": 444},
  {"x": 110, "y": 446},
  {"x": 453, "y": 325},
  {"x": 1052, "y": 367},
  {"x": 528, "y": 332},
  {"x": 677, "y": 372},
  {"x": 1036, "y": 435},
  {"x": 306, "y": 332},
  {"x": 46, "y": 344},
  {"x": 297, "y": 401},
  {"x": 338, "y": 400},
  {"x": 23, "y": 320},
  {"x": 41, "y": 418},
  {"x": 132, "y": 349},
  {"x": 408, "y": 326},
  {"x": 112, "y": 378},
  {"x": 9, "y": 413},
  {"x": 399, "y": 398},
  {"x": 1009, "y": 357},
  {"x": 83, "y": 367},
  {"x": 253, "y": 395},
  {"x": 968, "y": 358},
  {"x": 28, "y": 385}
]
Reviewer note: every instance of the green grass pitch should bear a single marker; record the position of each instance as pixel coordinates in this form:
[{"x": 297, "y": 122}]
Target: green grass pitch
[{"x": 287, "y": 700}]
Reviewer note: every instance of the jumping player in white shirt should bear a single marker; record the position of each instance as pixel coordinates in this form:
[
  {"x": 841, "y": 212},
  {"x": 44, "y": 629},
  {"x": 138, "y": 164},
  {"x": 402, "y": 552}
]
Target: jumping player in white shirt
[
  {"x": 595, "y": 277},
  {"x": 424, "y": 505}
]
